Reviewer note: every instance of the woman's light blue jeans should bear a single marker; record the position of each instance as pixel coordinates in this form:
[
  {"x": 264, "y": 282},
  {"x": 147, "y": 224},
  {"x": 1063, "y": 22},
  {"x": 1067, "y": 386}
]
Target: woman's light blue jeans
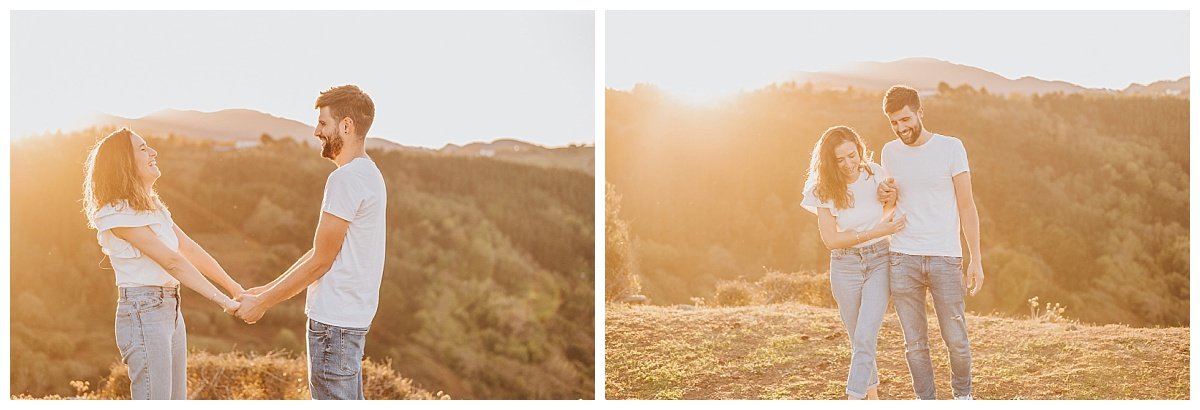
[
  {"x": 859, "y": 279},
  {"x": 152, "y": 339}
]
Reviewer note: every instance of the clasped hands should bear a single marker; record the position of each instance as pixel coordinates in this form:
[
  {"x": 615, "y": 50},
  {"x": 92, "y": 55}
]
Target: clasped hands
[
  {"x": 248, "y": 305},
  {"x": 887, "y": 191}
]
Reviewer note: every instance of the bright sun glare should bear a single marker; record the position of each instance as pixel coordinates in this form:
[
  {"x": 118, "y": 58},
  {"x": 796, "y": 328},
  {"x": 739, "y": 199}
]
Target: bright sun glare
[{"x": 715, "y": 89}]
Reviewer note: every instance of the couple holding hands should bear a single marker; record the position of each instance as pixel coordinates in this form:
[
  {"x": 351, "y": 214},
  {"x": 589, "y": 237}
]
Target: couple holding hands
[
  {"x": 893, "y": 233},
  {"x": 151, "y": 256}
]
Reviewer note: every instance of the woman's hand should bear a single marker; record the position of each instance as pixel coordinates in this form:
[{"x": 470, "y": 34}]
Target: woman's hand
[
  {"x": 236, "y": 290},
  {"x": 894, "y": 224},
  {"x": 231, "y": 306}
]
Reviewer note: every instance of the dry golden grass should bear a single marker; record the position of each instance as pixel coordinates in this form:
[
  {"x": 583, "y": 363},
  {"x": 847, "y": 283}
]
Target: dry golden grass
[
  {"x": 239, "y": 376},
  {"x": 794, "y": 351}
]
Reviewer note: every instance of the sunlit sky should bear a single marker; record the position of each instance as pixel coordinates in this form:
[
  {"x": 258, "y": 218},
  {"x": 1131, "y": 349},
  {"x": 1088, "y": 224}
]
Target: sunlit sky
[
  {"x": 704, "y": 55},
  {"x": 435, "y": 77}
]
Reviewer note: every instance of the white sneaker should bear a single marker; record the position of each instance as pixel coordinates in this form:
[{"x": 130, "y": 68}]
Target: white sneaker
[{"x": 967, "y": 397}]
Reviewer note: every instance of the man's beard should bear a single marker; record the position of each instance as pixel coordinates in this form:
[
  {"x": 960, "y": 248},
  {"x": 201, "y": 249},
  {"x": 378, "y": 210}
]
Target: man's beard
[
  {"x": 914, "y": 135},
  {"x": 331, "y": 147}
]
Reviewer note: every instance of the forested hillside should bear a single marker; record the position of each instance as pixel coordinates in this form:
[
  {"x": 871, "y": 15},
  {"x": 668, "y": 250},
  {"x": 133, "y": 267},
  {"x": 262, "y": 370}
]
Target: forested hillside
[{"x": 487, "y": 290}]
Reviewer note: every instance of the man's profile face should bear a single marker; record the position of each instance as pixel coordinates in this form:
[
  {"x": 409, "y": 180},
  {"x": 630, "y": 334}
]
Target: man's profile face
[
  {"x": 906, "y": 124},
  {"x": 328, "y": 132}
]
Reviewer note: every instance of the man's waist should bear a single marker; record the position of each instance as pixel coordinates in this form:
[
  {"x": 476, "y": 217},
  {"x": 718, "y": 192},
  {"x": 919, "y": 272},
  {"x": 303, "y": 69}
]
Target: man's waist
[
  {"x": 926, "y": 251},
  {"x": 341, "y": 317}
]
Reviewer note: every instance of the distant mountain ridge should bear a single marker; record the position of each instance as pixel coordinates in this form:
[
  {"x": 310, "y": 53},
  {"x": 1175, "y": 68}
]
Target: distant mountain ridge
[
  {"x": 581, "y": 157},
  {"x": 236, "y": 124},
  {"x": 924, "y": 74},
  {"x": 245, "y": 125},
  {"x": 1181, "y": 87}
]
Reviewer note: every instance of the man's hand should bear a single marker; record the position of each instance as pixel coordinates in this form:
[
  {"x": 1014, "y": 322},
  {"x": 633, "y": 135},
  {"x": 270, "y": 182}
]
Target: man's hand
[
  {"x": 887, "y": 191},
  {"x": 974, "y": 280},
  {"x": 252, "y": 308}
]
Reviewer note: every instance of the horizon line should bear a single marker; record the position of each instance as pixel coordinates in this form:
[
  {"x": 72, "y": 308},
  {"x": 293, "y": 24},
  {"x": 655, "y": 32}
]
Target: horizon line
[{"x": 90, "y": 122}]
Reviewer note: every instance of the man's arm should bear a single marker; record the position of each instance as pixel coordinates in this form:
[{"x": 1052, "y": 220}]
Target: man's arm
[
  {"x": 260, "y": 289},
  {"x": 331, "y": 231},
  {"x": 969, "y": 218}
]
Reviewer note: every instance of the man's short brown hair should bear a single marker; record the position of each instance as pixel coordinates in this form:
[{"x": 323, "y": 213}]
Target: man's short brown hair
[
  {"x": 900, "y": 96},
  {"x": 349, "y": 101}
]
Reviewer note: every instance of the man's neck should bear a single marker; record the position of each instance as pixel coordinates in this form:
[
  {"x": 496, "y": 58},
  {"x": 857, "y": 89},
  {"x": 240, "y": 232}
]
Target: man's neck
[{"x": 349, "y": 154}]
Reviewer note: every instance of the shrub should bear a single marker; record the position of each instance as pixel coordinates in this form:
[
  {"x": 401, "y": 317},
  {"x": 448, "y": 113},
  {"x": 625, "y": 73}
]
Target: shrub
[
  {"x": 810, "y": 288},
  {"x": 735, "y": 293},
  {"x": 620, "y": 276}
]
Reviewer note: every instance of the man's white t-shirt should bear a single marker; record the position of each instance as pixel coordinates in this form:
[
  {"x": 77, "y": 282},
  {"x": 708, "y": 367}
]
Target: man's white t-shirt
[
  {"x": 924, "y": 175},
  {"x": 866, "y": 212},
  {"x": 348, "y": 295},
  {"x": 134, "y": 268}
]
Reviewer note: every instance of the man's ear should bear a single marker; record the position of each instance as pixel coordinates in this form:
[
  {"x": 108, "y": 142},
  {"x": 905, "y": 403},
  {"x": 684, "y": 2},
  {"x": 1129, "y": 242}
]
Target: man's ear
[{"x": 347, "y": 126}]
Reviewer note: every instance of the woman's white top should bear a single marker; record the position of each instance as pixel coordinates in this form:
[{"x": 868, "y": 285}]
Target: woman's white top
[
  {"x": 866, "y": 211},
  {"x": 134, "y": 268}
]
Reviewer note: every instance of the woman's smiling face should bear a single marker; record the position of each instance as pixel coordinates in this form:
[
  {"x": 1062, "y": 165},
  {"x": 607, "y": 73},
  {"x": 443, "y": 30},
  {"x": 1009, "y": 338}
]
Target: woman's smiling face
[{"x": 145, "y": 160}]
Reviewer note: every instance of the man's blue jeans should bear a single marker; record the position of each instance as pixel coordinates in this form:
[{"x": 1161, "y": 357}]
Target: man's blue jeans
[
  {"x": 335, "y": 361},
  {"x": 941, "y": 276}
]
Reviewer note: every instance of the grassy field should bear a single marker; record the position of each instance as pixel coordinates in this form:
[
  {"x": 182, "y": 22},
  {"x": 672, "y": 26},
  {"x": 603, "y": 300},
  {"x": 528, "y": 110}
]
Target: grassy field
[
  {"x": 795, "y": 351},
  {"x": 238, "y": 376}
]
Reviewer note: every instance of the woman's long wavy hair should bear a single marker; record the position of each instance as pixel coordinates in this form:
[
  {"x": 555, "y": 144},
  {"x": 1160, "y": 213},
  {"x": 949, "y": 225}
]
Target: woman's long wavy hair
[
  {"x": 110, "y": 177},
  {"x": 831, "y": 183}
]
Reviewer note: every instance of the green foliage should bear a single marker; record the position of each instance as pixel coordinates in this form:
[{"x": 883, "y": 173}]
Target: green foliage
[
  {"x": 1082, "y": 199},
  {"x": 487, "y": 288},
  {"x": 620, "y": 277}
]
